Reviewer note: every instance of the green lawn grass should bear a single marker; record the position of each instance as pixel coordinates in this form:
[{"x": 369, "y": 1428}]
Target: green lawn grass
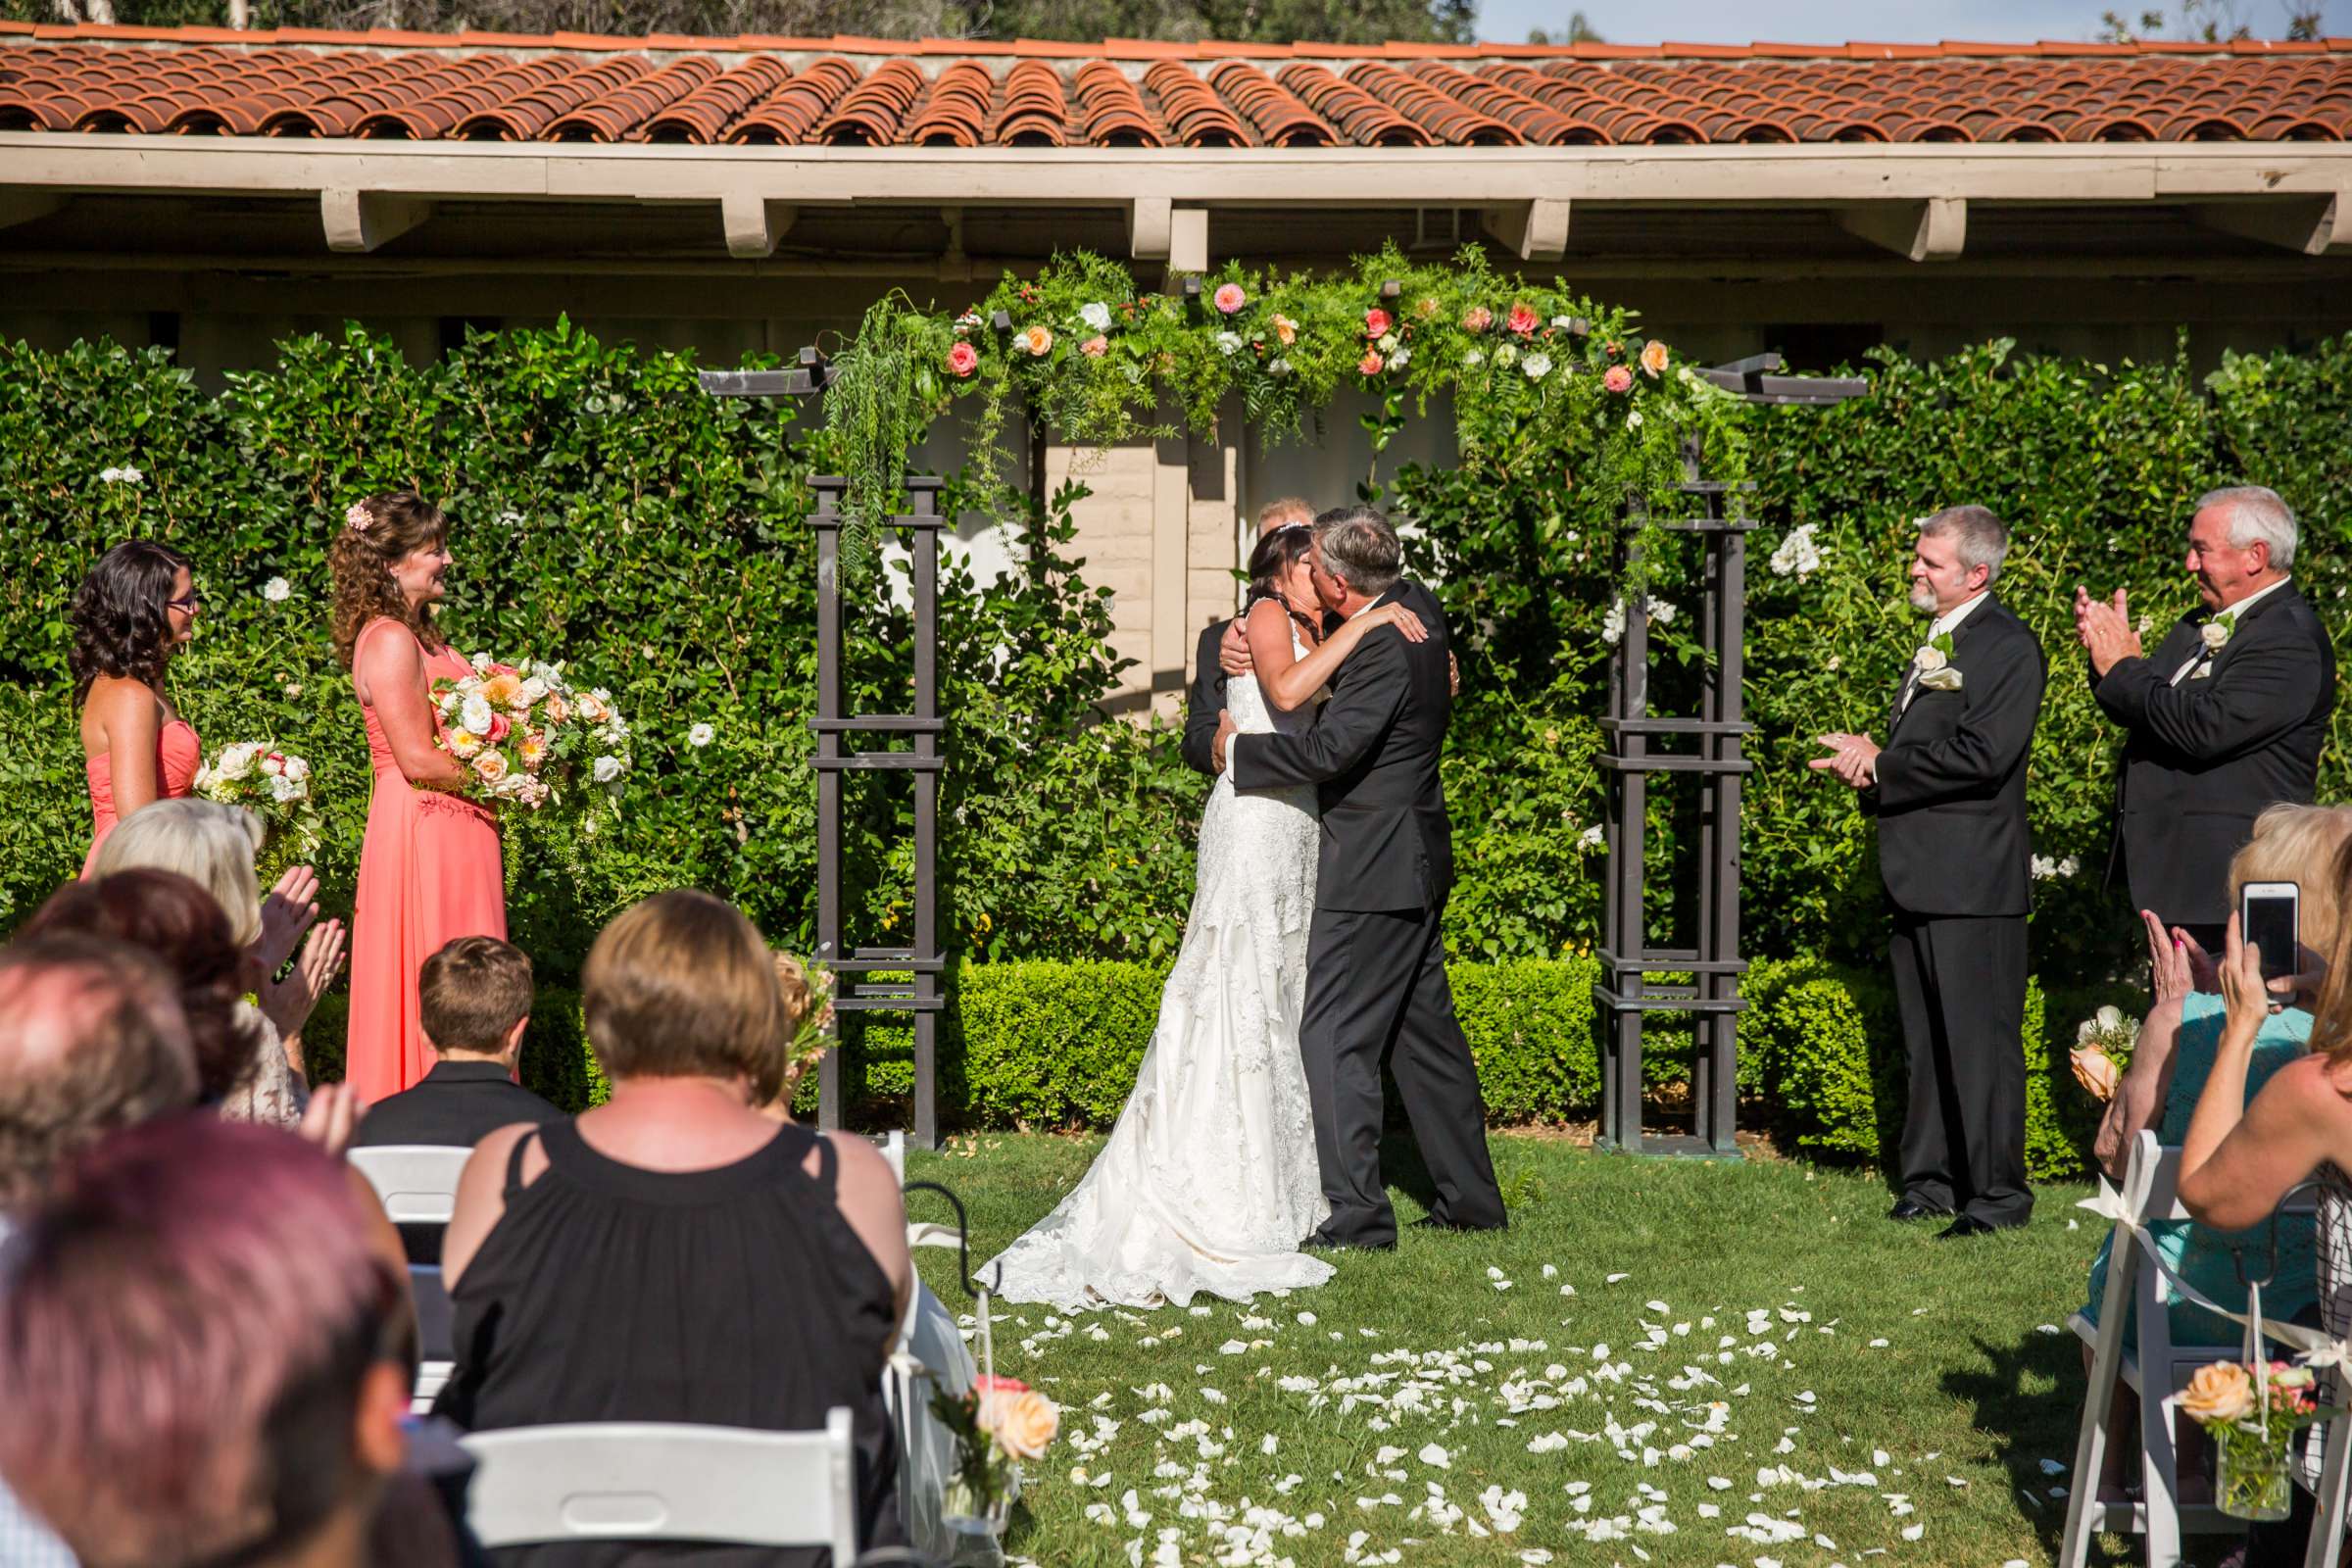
[{"x": 1921, "y": 1380}]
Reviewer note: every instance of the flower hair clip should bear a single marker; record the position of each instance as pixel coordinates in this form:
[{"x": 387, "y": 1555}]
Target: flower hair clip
[{"x": 357, "y": 516}]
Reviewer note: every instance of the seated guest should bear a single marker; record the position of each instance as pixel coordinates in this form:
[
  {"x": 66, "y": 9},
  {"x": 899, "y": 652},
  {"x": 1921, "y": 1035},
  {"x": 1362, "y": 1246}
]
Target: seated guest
[
  {"x": 673, "y": 1254},
  {"x": 172, "y": 920},
  {"x": 265, "y": 1426},
  {"x": 2240, "y": 1159},
  {"x": 2175, "y": 1054},
  {"x": 213, "y": 845},
  {"x": 474, "y": 1005}
]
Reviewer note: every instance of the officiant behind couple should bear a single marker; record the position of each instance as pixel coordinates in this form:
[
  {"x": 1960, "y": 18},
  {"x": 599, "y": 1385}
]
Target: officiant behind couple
[{"x": 1312, "y": 949}]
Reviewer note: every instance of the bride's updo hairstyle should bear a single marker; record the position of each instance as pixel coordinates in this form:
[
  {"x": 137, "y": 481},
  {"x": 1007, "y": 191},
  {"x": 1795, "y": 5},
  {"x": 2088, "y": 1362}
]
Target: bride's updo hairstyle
[
  {"x": 377, "y": 533},
  {"x": 1276, "y": 554},
  {"x": 122, "y": 625}
]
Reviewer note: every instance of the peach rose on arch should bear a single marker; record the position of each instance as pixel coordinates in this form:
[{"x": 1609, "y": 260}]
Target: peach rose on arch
[
  {"x": 1038, "y": 340},
  {"x": 1477, "y": 318},
  {"x": 1653, "y": 359},
  {"x": 1094, "y": 348}
]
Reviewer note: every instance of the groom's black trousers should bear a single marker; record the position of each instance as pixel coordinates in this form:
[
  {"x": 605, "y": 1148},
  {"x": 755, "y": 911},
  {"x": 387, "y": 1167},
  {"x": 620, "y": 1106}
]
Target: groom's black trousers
[{"x": 1376, "y": 986}]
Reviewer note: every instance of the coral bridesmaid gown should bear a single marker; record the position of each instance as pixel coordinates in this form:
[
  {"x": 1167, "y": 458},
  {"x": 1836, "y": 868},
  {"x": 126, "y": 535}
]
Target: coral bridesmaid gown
[
  {"x": 429, "y": 873},
  {"x": 177, "y": 755}
]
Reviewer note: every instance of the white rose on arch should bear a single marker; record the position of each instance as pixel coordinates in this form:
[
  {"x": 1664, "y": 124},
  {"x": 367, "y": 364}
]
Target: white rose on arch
[
  {"x": 606, "y": 769},
  {"x": 1096, "y": 315}
]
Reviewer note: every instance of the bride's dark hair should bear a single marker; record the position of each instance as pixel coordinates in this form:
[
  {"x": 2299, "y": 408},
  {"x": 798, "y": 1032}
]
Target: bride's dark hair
[{"x": 1276, "y": 554}]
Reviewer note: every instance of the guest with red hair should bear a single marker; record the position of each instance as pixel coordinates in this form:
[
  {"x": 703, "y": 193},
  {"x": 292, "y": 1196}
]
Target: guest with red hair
[{"x": 262, "y": 1424}]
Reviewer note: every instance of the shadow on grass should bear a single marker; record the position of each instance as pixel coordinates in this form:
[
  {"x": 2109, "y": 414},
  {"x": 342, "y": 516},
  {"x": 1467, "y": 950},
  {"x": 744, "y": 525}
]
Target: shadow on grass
[{"x": 2027, "y": 1398}]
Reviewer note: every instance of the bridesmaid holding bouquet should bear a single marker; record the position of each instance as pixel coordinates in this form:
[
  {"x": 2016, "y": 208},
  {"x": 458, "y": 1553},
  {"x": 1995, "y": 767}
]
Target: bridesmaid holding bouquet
[
  {"x": 131, "y": 614},
  {"x": 429, "y": 866}
]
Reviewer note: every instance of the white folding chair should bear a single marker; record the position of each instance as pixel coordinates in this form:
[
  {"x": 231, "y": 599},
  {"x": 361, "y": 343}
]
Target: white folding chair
[
  {"x": 417, "y": 1184},
  {"x": 659, "y": 1481},
  {"x": 2148, "y": 1362},
  {"x": 894, "y": 1150}
]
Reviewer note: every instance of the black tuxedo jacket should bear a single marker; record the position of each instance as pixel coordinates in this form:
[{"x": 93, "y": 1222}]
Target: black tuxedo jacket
[
  {"x": 1208, "y": 700},
  {"x": 1952, "y": 792},
  {"x": 1373, "y": 754},
  {"x": 2205, "y": 757}
]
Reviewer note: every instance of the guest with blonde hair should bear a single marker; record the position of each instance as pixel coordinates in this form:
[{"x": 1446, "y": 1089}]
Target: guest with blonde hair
[
  {"x": 747, "y": 1272},
  {"x": 212, "y": 845}
]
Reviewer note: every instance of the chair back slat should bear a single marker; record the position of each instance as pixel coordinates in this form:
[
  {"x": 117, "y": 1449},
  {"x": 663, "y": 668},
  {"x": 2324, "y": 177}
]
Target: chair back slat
[
  {"x": 657, "y": 1480},
  {"x": 418, "y": 1183}
]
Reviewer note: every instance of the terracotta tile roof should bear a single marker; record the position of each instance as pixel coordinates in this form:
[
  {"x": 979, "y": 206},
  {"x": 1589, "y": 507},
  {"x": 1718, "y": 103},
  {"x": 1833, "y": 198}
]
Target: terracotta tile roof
[{"x": 932, "y": 92}]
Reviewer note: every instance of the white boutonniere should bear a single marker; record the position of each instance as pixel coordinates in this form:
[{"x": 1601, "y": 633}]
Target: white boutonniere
[
  {"x": 1933, "y": 662},
  {"x": 2217, "y": 632}
]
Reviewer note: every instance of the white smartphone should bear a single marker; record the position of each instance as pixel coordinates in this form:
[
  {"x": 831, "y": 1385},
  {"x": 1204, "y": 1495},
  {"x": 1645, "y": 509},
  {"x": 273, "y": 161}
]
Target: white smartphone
[{"x": 2270, "y": 916}]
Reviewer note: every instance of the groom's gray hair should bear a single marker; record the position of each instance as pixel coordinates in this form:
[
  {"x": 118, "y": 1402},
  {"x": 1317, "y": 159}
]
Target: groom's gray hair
[
  {"x": 1977, "y": 537},
  {"x": 1360, "y": 549}
]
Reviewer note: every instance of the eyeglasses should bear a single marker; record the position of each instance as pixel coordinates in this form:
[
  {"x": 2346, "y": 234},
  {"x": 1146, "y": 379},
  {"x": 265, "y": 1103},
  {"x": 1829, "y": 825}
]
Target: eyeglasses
[{"x": 188, "y": 605}]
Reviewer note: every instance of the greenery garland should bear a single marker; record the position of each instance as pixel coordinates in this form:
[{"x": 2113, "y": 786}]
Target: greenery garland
[{"x": 1539, "y": 377}]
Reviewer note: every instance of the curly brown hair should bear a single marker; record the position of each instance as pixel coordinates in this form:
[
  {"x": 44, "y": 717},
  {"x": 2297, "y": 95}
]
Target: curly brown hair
[
  {"x": 399, "y": 523},
  {"x": 121, "y": 622}
]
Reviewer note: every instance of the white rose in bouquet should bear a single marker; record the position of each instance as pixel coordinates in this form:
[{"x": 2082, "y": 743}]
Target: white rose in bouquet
[
  {"x": 283, "y": 789},
  {"x": 273, "y": 765},
  {"x": 476, "y": 715},
  {"x": 236, "y": 762},
  {"x": 297, "y": 769},
  {"x": 533, "y": 690},
  {"x": 480, "y": 663},
  {"x": 2111, "y": 1017}
]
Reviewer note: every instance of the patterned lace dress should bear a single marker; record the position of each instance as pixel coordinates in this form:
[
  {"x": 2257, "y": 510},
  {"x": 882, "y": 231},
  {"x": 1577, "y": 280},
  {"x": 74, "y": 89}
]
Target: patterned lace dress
[{"x": 1210, "y": 1182}]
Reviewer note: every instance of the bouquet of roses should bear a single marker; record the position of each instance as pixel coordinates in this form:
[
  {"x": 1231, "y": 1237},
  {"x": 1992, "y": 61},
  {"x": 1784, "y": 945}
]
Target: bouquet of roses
[
  {"x": 273, "y": 785},
  {"x": 526, "y": 733},
  {"x": 2253, "y": 1414},
  {"x": 2102, "y": 1050},
  {"x": 997, "y": 1424},
  {"x": 809, "y": 987}
]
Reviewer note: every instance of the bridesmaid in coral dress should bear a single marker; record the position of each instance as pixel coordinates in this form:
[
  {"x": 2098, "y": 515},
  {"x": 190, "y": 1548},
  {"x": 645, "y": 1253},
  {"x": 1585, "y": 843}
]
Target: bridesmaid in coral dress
[
  {"x": 429, "y": 867},
  {"x": 132, "y": 613}
]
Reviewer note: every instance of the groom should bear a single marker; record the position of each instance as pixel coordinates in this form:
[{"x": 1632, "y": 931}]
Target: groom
[{"x": 1376, "y": 965}]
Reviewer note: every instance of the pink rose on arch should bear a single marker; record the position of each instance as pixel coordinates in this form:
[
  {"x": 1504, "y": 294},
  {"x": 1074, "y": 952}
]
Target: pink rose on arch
[
  {"x": 963, "y": 359},
  {"x": 1094, "y": 348},
  {"x": 1477, "y": 318},
  {"x": 1377, "y": 322},
  {"x": 1523, "y": 319},
  {"x": 1371, "y": 363},
  {"x": 1618, "y": 378},
  {"x": 1229, "y": 298}
]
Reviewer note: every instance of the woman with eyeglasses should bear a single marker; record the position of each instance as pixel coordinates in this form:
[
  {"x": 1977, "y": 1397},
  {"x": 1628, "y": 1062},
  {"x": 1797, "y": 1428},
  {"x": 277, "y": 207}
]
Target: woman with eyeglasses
[{"x": 132, "y": 613}]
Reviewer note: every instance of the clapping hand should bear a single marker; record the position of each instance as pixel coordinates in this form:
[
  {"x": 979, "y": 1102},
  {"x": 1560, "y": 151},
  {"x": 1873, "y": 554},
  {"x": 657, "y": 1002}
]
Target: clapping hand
[
  {"x": 2173, "y": 974},
  {"x": 289, "y": 1003},
  {"x": 287, "y": 912},
  {"x": 1854, "y": 761},
  {"x": 2105, "y": 630}
]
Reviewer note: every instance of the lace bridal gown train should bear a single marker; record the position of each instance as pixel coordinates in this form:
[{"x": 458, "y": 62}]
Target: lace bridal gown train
[{"x": 1210, "y": 1182}]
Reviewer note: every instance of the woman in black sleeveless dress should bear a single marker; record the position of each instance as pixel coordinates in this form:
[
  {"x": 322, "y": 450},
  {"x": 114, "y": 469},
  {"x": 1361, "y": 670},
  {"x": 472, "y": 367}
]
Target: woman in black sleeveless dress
[{"x": 672, "y": 1255}]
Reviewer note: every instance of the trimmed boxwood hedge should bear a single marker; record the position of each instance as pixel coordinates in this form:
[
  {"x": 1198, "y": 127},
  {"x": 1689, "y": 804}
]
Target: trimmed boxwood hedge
[{"x": 1058, "y": 1046}]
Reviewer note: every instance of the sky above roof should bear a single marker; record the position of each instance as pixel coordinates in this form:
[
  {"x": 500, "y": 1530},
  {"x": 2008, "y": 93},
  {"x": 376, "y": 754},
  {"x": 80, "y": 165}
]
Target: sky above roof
[{"x": 1843, "y": 21}]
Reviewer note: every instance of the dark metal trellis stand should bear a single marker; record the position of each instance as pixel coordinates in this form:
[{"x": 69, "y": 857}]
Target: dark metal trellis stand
[
  {"x": 1625, "y": 991},
  {"x": 922, "y": 961}
]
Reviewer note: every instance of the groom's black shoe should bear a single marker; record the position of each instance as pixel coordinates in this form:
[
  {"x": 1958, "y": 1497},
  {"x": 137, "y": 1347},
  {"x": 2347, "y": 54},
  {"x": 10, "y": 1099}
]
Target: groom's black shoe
[
  {"x": 1911, "y": 1209},
  {"x": 1431, "y": 1222},
  {"x": 1965, "y": 1227},
  {"x": 1320, "y": 1243}
]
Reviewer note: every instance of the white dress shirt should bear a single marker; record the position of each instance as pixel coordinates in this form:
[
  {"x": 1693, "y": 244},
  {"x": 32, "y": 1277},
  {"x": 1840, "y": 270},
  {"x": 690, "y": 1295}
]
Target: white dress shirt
[
  {"x": 2204, "y": 653},
  {"x": 1948, "y": 622}
]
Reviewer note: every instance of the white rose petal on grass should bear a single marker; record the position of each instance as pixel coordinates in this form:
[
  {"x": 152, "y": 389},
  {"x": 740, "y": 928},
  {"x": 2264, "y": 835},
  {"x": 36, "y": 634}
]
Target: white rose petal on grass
[
  {"x": 701, "y": 735},
  {"x": 1436, "y": 1457},
  {"x": 277, "y": 590}
]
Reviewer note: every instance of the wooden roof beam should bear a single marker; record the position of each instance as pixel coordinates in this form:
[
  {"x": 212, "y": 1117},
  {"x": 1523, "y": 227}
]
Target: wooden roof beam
[
  {"x": 1934, "y": 229},
  {"x": 755, "y": 226},
  {"x": 2310, "y": 224},
  {"x": 1535, "y": 230},
  {"x": 362, "y": 219}
]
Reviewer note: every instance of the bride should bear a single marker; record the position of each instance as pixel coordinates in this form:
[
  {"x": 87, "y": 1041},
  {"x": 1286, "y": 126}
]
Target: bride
[{"x": 1209, "y": 1181}]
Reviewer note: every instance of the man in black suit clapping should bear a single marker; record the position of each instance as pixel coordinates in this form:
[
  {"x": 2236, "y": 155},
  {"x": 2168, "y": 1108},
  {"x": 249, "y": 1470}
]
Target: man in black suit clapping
[
  {"x": 1949, "y": 792},
  {"x": 2227, "y": 719}
]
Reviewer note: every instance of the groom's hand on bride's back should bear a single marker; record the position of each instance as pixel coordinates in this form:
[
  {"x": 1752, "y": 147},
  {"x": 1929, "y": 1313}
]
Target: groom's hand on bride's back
[{"x": 1233, "y": 649}]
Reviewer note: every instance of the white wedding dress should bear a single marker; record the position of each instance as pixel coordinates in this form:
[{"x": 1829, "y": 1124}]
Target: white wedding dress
[{"x": 1209, "y": 1181}]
